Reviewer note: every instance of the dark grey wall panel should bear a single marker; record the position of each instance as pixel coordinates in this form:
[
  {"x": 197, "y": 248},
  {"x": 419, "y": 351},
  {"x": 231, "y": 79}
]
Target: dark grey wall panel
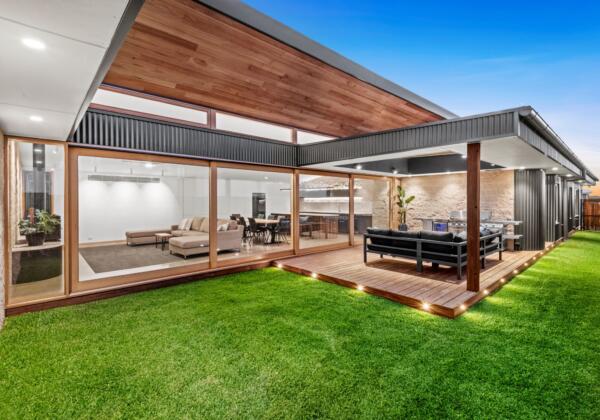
[
  {"x": 456, "y": 131},
  {"x": 553, "y": 208},
  {"x": 565, "y": 208},
  {"x": 530, "y": 207},
  {"x": 110, "y": 130}
]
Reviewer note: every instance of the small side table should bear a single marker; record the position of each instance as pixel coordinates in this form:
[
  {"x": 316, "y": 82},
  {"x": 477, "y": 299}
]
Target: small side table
[{"x": 162, "y": 239}]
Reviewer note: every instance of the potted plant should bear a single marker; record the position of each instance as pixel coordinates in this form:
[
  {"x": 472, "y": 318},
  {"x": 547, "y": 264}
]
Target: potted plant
[
  {"x": 402, "y": 201},
  {"x": 36, "y": 228}
]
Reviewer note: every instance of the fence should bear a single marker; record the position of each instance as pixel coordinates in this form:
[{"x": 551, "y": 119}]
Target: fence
[{"x": 591, "y": 214}]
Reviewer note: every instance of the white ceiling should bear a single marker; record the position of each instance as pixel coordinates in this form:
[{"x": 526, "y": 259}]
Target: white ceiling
[{"x": 51, "y": 83}]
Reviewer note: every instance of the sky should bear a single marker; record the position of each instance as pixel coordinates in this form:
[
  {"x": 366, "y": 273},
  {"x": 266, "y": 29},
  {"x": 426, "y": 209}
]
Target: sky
[{"x": 472, "y": 57}]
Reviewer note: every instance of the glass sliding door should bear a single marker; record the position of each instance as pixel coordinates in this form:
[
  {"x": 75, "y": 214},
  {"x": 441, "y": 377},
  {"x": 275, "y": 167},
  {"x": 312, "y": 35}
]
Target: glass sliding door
[
  {"x": 371, "y": 205},
  {"x": 323, "y": 210},
  {"x": 36, "y": 180},
  {"x": 139, "y": 216},
  {"x": 254, "y": 213}
]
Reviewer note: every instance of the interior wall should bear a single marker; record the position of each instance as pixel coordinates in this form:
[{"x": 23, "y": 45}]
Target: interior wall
[
  {"x": 108, "y": 209},
  {"x": 235, "y": 196},
  {"x": 437, "y": 195}
]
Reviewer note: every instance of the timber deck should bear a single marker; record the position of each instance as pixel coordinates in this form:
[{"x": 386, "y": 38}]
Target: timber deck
[{"x": 434, "y": 290}]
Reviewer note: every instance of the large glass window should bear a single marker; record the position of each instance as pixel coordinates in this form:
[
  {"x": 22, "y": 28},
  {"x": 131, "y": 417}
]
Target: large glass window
[
  {"x": 139, "y": 215},
  {"x": 371, "y": 205},
  {"x": 324, "y": 210},
  {"x": 251, "y": 127},
  {"x": 36, "y": 220},
  {"x": 254, "y": 212}
]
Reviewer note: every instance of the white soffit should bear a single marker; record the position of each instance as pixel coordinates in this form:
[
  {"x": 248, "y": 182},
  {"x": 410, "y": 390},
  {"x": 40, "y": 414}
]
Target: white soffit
[
  {"x": 51, "y": 82},
  {"x": 508, "y": 152}
]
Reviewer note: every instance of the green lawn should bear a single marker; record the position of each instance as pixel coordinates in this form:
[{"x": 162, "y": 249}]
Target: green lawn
[{"x": 273, "y": 344}]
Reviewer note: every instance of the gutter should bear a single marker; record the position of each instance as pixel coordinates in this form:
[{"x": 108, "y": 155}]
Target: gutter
[{"x": 531, "y": 116}]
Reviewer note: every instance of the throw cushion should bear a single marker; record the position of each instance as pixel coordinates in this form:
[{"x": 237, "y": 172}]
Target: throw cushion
[
  {"x": 223, "y": 227},
  {"x": 232, "y": 225},
  {"x": 182, "y": 224},
  {"x": 197, "y": 223},
  {"x": 205, "y": 226},
  {"x": 460, "y": 237}
]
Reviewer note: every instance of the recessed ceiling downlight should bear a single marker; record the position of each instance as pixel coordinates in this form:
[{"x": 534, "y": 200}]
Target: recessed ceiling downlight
[
  {"x": 34, "y": 44},
  {"x": 36, "y": 118}
]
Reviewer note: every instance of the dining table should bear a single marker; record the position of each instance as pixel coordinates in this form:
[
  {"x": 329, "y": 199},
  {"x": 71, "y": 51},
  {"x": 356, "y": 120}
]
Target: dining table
[{"x": 270, "y": 224}]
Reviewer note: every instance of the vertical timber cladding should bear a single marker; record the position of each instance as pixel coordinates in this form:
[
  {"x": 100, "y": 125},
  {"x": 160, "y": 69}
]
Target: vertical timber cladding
[{"x": 530, "y": 207}]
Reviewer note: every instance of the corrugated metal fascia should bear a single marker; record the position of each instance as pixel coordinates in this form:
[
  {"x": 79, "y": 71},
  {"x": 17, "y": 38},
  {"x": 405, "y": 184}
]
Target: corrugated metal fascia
[
  {"x": 115, "y": 131},
  {"x": 531, "y": 137},
  {"x": 478, "y": 128}
]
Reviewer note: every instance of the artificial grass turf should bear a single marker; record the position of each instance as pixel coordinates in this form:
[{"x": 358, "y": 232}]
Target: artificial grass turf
[{"x": 273, "y": 344}]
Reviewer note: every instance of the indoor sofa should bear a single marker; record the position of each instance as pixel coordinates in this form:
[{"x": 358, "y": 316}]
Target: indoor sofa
[
  {"x": 190, "y": 237},
  {"x": 438, "y": 248}
]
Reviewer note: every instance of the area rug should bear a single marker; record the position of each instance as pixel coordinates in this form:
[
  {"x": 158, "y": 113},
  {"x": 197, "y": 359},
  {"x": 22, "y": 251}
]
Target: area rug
[{"x": 121, "y": 257}]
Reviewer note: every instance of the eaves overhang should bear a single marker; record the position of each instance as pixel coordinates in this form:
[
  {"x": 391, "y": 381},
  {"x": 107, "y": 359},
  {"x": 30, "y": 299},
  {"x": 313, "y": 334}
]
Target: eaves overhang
[
  {"x": 276, "y": 30},
  {"x": 522, "y": 123}
]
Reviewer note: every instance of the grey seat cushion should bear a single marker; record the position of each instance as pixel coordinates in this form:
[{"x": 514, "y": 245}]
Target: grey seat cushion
[
  {"x": 380, "y": 241},
  {"x": 438, "y": 236},
  {"x": 398, "y": 235}
]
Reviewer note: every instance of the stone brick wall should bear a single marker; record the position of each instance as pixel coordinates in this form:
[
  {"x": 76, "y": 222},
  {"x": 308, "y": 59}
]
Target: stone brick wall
[{"x": 437, "y": 195}]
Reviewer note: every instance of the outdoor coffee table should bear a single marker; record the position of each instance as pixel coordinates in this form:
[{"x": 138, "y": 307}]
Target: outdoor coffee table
[{"x": 162, "y": 239}]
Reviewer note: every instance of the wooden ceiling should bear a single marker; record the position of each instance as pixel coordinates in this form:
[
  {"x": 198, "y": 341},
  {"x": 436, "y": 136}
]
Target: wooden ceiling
[{"x": 183, "y": 50}]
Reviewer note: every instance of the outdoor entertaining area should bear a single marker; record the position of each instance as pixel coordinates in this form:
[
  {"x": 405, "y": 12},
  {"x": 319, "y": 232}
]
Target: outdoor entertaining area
[{"x": 435, "y": 290}]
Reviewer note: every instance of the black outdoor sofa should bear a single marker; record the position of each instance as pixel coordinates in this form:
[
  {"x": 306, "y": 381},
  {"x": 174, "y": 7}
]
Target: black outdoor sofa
[{"x": 438, "y": 248}]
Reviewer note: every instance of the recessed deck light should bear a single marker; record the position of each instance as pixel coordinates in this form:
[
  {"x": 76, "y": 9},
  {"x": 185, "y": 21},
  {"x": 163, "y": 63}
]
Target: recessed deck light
[
  {"x": 521, "y": 168},
  {"x": 148, "y": 165},
  {"x": 486, "y": 292},
  {"x": 395, "y": 171},
  {"x": 463, "y": 307},
  {"x": 34, "y": 44},
  {"x": 426, "y": 306},
  {"x": 463, "y": 156},
  {"x": 314, "y": 275},
  {"x": 36, "y": 118},
  {"x": 569, "y": 175},
  {"x": 359, "y": 167},
  {"x": 360, "y": 287},
  {"x": 266, "y": 177},
  {"x": 555, "y": 169}
]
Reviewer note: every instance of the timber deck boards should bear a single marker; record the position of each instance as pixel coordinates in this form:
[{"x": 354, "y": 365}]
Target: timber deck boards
[{"x": 435, "y": 290}]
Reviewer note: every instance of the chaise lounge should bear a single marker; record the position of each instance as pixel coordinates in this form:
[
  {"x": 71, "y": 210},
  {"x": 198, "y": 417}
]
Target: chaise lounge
[
  {"x": 438, "y": 248},
  {"x": 190, "y": 237}
]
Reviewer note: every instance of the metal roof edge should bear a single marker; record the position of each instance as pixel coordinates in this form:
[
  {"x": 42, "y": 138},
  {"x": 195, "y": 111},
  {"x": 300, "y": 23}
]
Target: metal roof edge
[
  {"x": 531, "y": 116},
  {"x": 277, "y": 30}
]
